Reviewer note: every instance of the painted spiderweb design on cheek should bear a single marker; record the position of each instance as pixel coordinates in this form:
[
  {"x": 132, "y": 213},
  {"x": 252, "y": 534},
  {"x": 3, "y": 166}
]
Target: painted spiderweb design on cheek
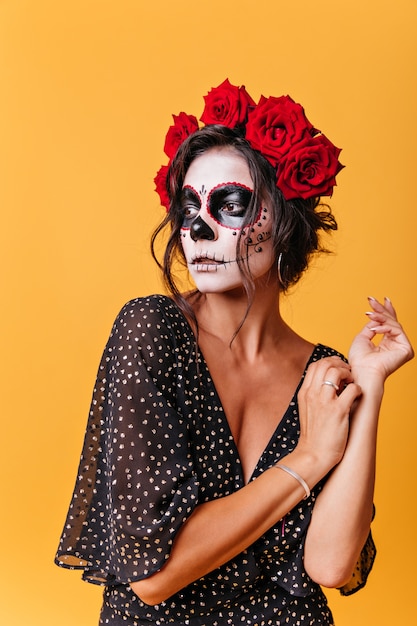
[{"x": 256, "y": 234}]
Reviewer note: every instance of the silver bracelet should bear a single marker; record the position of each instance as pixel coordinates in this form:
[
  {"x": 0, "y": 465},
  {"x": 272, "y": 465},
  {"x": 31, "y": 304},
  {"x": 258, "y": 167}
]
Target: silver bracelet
[{"x": 296, "y": 476}]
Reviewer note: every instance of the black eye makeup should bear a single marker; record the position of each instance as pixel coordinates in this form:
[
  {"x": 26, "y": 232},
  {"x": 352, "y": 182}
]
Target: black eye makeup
[
  {"x": 227, "y": 203},
  {"x": 190, "y": 206}
]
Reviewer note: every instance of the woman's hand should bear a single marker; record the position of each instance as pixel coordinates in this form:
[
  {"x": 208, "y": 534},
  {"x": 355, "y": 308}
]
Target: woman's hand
[
  {"x": 343, "y": 510},
  {"x": 382, "y": 359},
  {"x": 325, "y": 400}
]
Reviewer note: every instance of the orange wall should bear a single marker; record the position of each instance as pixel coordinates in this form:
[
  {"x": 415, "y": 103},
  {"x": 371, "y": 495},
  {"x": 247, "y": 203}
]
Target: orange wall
[{"x": 87, "y": 89}]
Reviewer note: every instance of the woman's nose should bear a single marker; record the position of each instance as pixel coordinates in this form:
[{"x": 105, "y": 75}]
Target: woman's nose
[{"x": 201, "y": 230}]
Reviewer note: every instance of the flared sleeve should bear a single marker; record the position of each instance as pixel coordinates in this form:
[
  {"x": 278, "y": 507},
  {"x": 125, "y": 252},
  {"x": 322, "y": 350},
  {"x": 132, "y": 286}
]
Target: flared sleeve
[
  {"x": 363, "y": 567},
  {"x": 136, "y": 484}
]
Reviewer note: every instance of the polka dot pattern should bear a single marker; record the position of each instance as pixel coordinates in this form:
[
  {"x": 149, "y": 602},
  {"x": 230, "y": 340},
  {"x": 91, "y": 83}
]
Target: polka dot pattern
[{"x": 157, "y": 444}]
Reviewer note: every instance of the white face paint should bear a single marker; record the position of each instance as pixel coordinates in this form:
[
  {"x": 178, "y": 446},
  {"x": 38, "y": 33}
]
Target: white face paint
[{"x": 216, "y": 193}]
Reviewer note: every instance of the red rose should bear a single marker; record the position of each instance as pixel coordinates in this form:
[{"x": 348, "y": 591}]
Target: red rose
[
  {"x": 227, "y": 105},
  {"x": 160, "y": 181},
  {"x": 184, "y": 125},
  {"x": 309, "y": 169},
  {"x": 276, "y": 125}
]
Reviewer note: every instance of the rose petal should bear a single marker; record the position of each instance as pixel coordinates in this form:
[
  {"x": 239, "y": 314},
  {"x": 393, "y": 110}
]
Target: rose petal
[
  {"x": 184, "y": 125},
  {"x": 309, "y": 169},
  {"x": 275, "y": 125},
  {"x": 160, "y": 181},
  {"x": 227, "y": 105}
]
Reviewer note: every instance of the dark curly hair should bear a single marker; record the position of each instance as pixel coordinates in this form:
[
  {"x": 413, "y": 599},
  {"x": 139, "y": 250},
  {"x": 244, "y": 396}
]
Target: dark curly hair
[{"x": 295, "y": 223}]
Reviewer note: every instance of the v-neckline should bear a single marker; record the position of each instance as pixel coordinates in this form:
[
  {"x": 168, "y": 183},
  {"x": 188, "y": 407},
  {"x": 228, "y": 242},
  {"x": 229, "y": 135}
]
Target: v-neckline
[{"x": 202, "y": 362}]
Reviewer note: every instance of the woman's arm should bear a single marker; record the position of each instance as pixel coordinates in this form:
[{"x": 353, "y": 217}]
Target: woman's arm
[
  {"x": 343, "y": 511},
  {"x": 219, "y": 530}
]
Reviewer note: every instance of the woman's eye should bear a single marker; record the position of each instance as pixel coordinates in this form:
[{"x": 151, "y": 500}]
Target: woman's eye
[
  {"x": 233, "y": 208},
  {"x": 190, "y": 211}
]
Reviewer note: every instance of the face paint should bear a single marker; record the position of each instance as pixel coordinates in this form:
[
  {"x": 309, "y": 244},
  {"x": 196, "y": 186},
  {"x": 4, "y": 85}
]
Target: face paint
[
  {"x": 228, "y": 204},
  {"x": 213, "y": 219}
]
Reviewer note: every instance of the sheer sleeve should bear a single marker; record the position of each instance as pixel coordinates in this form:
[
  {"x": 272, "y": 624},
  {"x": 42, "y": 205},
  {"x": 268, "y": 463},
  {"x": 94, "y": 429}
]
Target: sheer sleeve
[
  {"x": 136, "y": 485},
  {"x": 363, "y": 567}
]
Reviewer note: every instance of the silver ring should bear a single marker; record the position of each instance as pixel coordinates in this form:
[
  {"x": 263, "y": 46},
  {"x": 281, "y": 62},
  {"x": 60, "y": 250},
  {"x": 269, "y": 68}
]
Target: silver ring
[{"x": 329, "y": 382}]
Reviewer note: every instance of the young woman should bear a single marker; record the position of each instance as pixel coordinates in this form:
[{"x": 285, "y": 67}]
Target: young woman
[{"x": 228, "y": 466}]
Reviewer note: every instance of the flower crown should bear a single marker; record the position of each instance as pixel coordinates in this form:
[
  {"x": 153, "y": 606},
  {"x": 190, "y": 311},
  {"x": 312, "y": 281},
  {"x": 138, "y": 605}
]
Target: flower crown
[{"x": 305, "y": 161}]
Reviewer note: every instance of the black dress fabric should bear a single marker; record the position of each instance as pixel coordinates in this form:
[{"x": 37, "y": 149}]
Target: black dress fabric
[{"x": 157, "y": 444}]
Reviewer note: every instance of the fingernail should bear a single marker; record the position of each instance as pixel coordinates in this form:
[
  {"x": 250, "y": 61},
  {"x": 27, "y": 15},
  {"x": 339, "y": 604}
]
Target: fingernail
[
  {"x": 369, "y": 312},
  {"x": 371, "y": 298},
  {"x": 387, "y": 299}
]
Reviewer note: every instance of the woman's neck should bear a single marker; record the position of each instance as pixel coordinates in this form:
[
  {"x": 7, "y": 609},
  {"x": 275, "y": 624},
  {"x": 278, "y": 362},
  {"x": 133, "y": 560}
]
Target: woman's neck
[{"x": 220, "y": 315}]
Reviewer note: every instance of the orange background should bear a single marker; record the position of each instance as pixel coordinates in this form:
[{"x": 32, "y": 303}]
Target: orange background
[{"x": 87, "y": 91}]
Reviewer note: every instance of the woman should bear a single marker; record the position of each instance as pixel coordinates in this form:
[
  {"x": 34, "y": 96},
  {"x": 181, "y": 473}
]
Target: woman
[{"x": 215, "y": 430}]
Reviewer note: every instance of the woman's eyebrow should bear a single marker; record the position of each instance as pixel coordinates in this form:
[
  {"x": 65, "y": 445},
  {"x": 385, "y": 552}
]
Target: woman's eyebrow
[
  {"x": 190, "y": 194},
  {"x": 219, "y": 193}
]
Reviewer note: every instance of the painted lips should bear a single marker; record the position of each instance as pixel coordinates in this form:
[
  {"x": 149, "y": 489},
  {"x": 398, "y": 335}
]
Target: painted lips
[
  {"x": 203, "y": 260},
  {"x": 209, "y": 260}
]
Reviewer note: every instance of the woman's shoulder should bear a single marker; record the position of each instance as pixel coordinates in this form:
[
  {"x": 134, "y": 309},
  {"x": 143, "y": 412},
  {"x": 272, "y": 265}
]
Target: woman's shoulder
[
  {"x": 150, "y": 308},
  {"x": 151, "y": 315},
  {"x": 321, "y": 351}
]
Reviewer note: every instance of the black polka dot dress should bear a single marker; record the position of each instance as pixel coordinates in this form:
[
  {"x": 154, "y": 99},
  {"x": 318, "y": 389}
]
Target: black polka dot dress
[{"x": 157, "y": 444}]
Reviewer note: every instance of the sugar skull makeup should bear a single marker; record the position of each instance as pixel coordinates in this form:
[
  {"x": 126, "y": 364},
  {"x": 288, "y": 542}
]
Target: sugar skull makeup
[
  {"x": 227, "y": 204},
  {"x": 216, "y": 197}
]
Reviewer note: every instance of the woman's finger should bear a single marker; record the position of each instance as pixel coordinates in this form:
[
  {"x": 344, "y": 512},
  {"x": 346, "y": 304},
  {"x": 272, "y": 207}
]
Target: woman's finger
[
  {"x": 335, "y": 379},
  {"x": 331, "y": 368},
  {"x": 389, "y": 306},
  {"x": 386, "y": 307}
]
